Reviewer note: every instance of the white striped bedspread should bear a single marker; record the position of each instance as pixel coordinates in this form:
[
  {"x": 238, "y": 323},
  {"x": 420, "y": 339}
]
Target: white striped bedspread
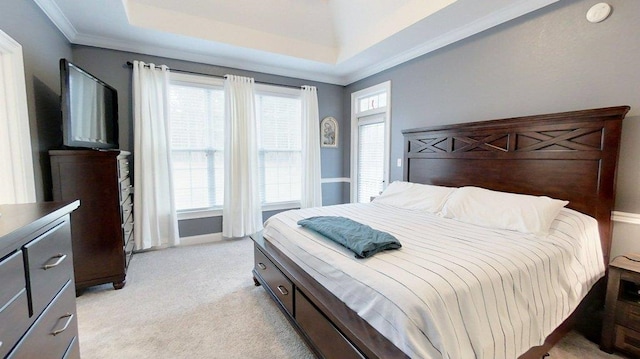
[{"x": 453, "y": 290}]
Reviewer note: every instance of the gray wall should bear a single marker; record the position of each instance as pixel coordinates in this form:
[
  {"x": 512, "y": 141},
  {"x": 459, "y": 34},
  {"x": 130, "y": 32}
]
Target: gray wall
[
  {"x": 42, "y": 46},
  {"x": 109, "y": 66},
  {"x": 548, "y": 61}
]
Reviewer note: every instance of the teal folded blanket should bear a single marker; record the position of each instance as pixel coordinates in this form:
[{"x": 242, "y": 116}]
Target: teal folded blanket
[{"x": 363, "y": 240}]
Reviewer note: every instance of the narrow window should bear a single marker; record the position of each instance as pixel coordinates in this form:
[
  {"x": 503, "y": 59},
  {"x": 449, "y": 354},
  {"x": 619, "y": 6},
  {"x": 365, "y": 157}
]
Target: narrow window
[{"x": 370, "y": 128}]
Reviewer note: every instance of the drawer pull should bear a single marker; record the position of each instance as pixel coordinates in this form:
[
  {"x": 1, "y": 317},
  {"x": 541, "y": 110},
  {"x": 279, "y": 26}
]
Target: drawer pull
[
  {"x": 69, "y": 317},
  {"x": 283, "y": 290},
  {"x": 262, "y": 266},
  {"x": 61, "y": 257}
]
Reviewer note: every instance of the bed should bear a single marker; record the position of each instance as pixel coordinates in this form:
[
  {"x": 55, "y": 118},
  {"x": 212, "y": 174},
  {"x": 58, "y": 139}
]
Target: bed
[{"x": 570, "y": 156}]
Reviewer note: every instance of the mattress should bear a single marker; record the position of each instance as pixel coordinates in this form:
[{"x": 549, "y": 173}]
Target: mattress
[{"x": 454, "y": 290}]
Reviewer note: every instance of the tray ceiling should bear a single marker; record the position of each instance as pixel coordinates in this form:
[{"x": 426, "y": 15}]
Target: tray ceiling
[{"x": 334, "y": 41}]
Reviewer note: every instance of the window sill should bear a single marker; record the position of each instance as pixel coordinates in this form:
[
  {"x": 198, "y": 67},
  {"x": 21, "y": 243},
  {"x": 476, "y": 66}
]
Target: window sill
[
  {"x": 202, "y": 213},
  {"x": 205, "y": 213},
  {"x": 280, "y": 206}
]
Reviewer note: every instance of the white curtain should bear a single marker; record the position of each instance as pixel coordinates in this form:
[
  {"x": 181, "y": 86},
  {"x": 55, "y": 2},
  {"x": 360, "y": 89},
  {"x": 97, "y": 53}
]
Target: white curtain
[
  {"x": 156, "y": 222},
  {"x": 17, "y": 183},
  {"x": 311, "y": 175},
  {"x": 241, "y": 212}
]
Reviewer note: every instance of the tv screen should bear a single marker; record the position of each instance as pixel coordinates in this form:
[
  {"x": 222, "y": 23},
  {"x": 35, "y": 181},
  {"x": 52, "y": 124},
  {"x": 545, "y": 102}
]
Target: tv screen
[{"x": 89, "y": 109}]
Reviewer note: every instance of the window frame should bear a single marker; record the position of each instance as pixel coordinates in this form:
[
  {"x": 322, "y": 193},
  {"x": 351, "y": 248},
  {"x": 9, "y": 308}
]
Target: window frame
[
  {"x": 183, "y": 79},
  {"x": 280, "y": 91},
  {"x": 356, "y": 116},
  {"x": 15, "y": 113}
]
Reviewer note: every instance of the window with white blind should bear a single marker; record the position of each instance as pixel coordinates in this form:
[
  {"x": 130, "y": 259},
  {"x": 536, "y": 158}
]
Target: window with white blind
[
  {"x": 196, "y": 113},
  {"x": 279, "y": 119},
  {"x": 371, "y": 137},
  {"x": 370, "y": 119}
]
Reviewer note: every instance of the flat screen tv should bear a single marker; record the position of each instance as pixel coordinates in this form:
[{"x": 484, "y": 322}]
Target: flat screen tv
[{"x": 89, "y": 109}]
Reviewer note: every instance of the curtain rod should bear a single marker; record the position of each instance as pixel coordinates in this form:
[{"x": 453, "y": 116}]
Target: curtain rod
[{"x": 130, "y": 65}]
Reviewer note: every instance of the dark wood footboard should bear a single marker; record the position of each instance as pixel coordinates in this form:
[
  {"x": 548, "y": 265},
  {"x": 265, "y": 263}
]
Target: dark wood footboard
[
  {"x": 333, "y": 330},
  {"x": 329, "y": 327}
]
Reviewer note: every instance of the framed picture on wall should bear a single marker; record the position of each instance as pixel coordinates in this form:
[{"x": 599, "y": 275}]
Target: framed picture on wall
[{"x": 329, "y": 132}]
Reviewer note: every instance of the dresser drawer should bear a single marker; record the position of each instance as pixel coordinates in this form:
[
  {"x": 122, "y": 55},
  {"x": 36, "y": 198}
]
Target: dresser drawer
[
  {"x": 125, "y": 188},
  {"x": 11, "y": 277},
  {"x": 73, "y": 351},
  {"x": 126, "y": 210},
  {"x": 627, "y": 340},
  {"x": 123, "y": 168},
  {"x": 14, "y": 316},
  {"x": 54, "y": 331},
  {"x": 278, "y": 284},
  {"x": 628, "y": 315},
  {"x": 50, "y": 265},
  {"x": 14, "y": 303},
  {"x": 128, "y": 252}
]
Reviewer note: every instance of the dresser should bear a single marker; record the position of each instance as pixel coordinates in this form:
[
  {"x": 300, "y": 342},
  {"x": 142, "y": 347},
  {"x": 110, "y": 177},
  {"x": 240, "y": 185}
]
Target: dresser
[
  {"x": 37, "y": 296},
  {"x": 102, "y": 228},
  {"x": 621, "y": 320}
]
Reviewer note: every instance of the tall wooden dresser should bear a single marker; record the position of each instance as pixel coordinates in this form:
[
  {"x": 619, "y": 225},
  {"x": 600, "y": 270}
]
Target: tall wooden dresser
[
  {"x": 103, "y": 225},
  {"x": 37, "y": 296}
]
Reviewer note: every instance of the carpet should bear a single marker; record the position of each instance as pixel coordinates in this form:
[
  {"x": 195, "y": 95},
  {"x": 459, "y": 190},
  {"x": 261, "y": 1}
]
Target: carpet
[{"x": 200, "y": 302}]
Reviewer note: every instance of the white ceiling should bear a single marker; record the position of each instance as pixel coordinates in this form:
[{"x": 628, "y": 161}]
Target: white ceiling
[{"x": 334, "y": 41}]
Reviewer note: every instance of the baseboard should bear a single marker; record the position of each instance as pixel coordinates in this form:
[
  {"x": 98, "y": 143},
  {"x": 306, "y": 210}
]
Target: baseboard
[{"x": 201, "y": 239}]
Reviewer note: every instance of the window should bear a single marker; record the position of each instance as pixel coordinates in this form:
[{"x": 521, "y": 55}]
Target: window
[
  {"x": 280, "y": 130},
  {"x": 196, "y": 113},
  {"x": 371, "y": 139},
  {"x": 370, "y": 123}
]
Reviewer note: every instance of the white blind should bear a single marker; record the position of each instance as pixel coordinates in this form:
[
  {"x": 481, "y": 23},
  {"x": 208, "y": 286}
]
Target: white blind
[
  {"x": 197, "y": 144},
  {"x": 370, "y": 160},
  {"x": 280, "y": 128}
]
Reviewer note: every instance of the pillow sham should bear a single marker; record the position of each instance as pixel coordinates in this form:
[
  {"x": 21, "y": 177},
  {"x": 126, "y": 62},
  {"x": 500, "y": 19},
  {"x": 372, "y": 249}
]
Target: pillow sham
[
  {"x": 415, "y": 196},
  {"x": 503, "y": 210}
]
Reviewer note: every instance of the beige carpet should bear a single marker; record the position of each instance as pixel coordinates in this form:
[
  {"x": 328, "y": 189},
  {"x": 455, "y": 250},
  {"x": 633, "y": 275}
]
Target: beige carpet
[{"x": 200, "y": 302}]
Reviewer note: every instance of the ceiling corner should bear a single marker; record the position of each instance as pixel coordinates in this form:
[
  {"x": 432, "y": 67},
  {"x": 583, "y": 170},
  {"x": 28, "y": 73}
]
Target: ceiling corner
[{"x": 53, "y": 12}]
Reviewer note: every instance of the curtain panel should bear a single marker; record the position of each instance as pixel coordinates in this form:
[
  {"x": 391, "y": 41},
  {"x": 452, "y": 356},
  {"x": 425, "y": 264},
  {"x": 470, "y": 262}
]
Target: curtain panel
[
  {"x": 311, "y": 163},
  {"x": 241, "y": 212},
  {"x": 156, "y": 221}
]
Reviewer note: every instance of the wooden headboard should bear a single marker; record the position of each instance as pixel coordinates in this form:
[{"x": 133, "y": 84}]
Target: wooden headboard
[{"x": 568, "y": 155}]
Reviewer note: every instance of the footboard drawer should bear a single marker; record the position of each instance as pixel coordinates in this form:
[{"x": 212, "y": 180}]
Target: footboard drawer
[
  {"x": 327, "y": 338},
  {"x": 278, "y": 284}
]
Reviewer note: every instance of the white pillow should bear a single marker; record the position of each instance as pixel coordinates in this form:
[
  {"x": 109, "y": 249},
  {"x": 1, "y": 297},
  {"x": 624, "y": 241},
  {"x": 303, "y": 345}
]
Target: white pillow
[
  {"x": 503, "y": 210},
  {"x": 415, "y": 196}
]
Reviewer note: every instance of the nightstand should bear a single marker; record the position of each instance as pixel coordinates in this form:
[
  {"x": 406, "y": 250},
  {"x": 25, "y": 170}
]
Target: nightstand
[{"x": 621, "y": 322}]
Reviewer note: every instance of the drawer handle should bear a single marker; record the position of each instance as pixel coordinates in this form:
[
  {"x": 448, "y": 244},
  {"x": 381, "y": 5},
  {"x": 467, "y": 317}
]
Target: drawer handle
[
  {"x": 262, "y": 266},
  {"x": 283, "y": 290},
  {"x": 69, "y": 317},
  {"x": 61, "y": 257}
]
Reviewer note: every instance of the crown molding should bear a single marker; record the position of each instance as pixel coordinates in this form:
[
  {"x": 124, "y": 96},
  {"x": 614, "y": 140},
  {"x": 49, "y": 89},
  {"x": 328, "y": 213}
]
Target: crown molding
[
  {"x": 53, "y": 12},
  {"x": 332, "y": 75},
  {"x": 204, "y": 58}
]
